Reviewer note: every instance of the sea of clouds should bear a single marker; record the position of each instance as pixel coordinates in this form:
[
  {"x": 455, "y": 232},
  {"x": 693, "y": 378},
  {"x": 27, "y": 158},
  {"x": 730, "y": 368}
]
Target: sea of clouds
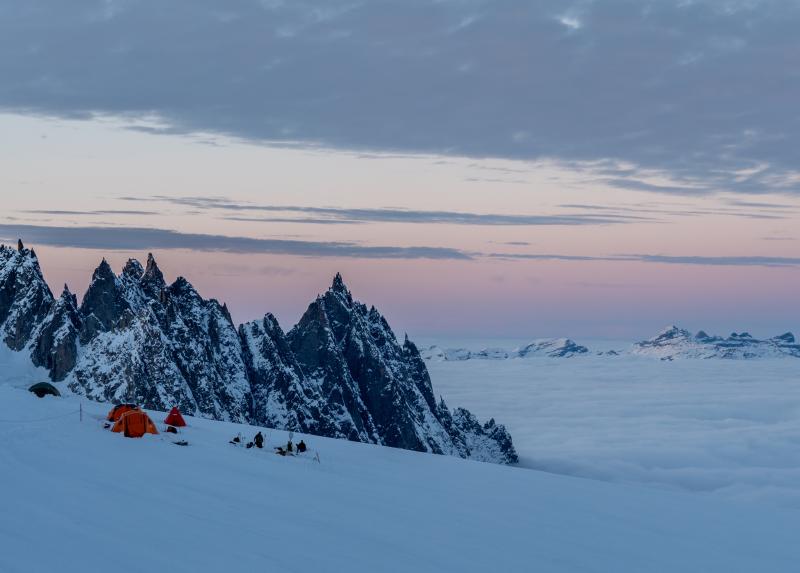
[{"x": 718, "y": 427}]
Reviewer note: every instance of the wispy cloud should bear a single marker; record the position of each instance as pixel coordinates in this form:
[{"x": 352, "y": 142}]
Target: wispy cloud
[
  {"x": 88, "y": 212},
  {"x": 741, "y": 209},
  {"x": 728, "y": 261},
  {"x": 329, "y": 215},
  {"x": 137, "y": 239},
  {"x": 734, "y": 261}
]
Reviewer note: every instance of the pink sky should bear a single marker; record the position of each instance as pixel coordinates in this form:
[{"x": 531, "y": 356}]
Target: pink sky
[{"x": 79, "y": 176}]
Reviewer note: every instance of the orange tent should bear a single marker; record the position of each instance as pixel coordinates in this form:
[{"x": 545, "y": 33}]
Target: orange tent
[
  {"x": 119, "y": 410},
  {"x": 174, "y": 418},
  {"x": 135, "y": 424}
]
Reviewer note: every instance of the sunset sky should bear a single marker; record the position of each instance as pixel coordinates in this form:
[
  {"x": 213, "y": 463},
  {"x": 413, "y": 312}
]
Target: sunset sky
[{"x": 473, "y": 168}]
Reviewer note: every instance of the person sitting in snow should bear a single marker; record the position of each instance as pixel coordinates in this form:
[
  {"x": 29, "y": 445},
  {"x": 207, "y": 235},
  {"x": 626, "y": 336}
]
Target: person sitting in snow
[
  {"x": 280, "y": 451},
  {"x": 259, "y": 440},
  {"x": 289, "y": 447},
  {"x": 301, "y": 447}
]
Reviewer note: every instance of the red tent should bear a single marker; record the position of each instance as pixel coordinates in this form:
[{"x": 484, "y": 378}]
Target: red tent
[
  {"x": 135, "y": 424},
  {"x": 174, "y": 418}
]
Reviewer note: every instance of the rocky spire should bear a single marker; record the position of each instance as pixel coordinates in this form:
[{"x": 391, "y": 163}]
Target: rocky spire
[
  {"x": 338, "y": 285},
  {"x": 227, "y": 313},
  {"x": 67, "y": 296},
  {"x": 152, "y": 280},
  {"x": 382, "y": 387},
  {"x": 133, "y": 269},
  {"x": 25, "y": 298},
  {"x": 55, "y": 345},
  {"x": 103, "y": 304}
]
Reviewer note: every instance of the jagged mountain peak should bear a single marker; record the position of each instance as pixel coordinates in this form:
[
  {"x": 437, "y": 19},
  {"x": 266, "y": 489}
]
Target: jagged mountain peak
[
  {"x": 226, "y": 311},
  {"x": 68, "y": 296},
  {"x": 181, "y": 287},
  {"x": 382, "y": 387},
  {"x": 340, "y": 372},
  {"x": 104, "y": 302},
  {"x": 339, "y": 288},
  {"x": 152, "y": 272},
  {"x": 25, "y": 297},
  {"x": 103, "y": 271},
  {"x": 338, "y": 283},
  {"x": 678, "y": 343},
  {"x": 152, "y": 280},
  {"x": 672, "y": 331},
  {"x": 133, "y": 269},
  {"x": 26, "y": 254}
]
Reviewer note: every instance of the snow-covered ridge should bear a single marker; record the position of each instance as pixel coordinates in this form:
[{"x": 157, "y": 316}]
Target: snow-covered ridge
[
  {"x": 674, "y": 342},
  {"x": 544, "y": 347},
  {"x": 339, "y": 373}
]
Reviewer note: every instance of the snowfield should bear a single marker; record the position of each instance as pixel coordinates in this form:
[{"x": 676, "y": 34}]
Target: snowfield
[
  {"x": 76, "y": 497},
  {"x": 730, "y": 428}
]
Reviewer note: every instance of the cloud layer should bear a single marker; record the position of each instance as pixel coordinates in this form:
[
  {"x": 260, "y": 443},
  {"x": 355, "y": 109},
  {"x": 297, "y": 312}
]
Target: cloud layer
[
  {"x": 338, "y": 215},
  {"x": 723, "y": 427},
  {"x": 140, "y": 239},
  {"x": 703, "y": 91}
]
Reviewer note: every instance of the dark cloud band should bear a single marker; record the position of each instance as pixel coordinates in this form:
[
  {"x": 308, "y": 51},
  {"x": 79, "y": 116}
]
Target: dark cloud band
[
  {"x": 135, "y": 239},
  {"x": 703, "y": 90}
]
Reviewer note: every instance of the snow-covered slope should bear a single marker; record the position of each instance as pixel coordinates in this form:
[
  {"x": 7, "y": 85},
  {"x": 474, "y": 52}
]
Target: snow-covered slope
[
  {"x": 79, "y": 498},
  {"x": 674, "y": 342}
]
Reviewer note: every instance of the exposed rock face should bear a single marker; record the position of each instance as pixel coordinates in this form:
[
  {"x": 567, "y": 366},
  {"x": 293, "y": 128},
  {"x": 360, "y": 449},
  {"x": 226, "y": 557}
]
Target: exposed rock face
[
  {"x": 55, "y": 344},
  {"x": 160, "y": 346},
  {"x": 674, "y": 342},
  {"x": 282, "y": 396},
  {"x": 381, "y": 384},
  {"x": 25, "y": 298},
  {"x": 340, "y": 372},
  {"x": 134, "y": 363},
  {"x": 103, "y": 304},
  {"x": 206, "y": 349}
]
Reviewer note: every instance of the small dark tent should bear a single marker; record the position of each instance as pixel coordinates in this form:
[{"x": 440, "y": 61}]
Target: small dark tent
[
  {"x": 43, "y": 389},
  {"x": 175, "y": 419}
]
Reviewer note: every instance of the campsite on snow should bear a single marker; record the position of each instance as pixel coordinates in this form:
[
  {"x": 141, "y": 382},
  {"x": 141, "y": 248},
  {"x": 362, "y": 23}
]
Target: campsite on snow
[
  {"x": 392, "y": 286},
  {"x": 120, "y": 422}
]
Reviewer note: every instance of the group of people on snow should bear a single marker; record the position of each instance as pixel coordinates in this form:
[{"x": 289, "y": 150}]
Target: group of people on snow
[{"x": 258, "y": 442}]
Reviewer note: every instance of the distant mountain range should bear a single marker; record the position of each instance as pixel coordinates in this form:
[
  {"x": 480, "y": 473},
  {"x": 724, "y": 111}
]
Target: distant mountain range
[
  {"x": 546, "y": 347},
  {"x": 674, "y": 342},
  {"x": 669, "y": 344},
  {"x": 340, "y": 372}
]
